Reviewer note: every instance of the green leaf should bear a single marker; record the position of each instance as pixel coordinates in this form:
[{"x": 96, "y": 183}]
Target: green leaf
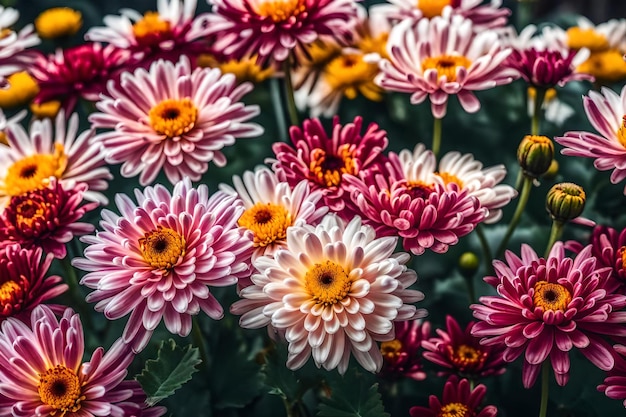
[
  {"x": 172, "y": 368},
  {"x": 352, "y": 396}
]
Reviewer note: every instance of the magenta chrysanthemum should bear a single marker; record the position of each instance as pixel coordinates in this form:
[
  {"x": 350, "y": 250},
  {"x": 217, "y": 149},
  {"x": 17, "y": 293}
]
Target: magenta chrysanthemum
[
  {"x": 42, "y": 373},
  {"x": 14, "y": 55},
  {"x": 158, "y": 258},
  {"x": 401, "y": 356},
  {"x": 607, "y": 113},
  {"x": 460, "y": 353},
  {"x": 546, "y": 68},
  {"x": 334, "y": 292},
  {"x": 271, "y": 28},
  {"x": 324, "y": 160},
  {"x": 545, "y": 307},
  {"x": 172, "y": 118},
  {"x": 440, "y": 57},
  {"x": 614, "y": 385}
]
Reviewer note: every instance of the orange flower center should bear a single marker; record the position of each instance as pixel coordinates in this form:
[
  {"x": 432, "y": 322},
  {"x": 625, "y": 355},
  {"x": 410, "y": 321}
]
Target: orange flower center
[
  {"x": 328, "y": 283},
  {"x": 446, "y": 65},
  {"x": 455, "y": 410},
  {"x": 60, "y": 388},
  {"x": 391, "y": 350},
  {"x": 419, "y": 189},
  {"x": 29, "y": 213},
  {"x": 465, "y": 356},
  {"x": 621, "y": 132},
  {"x": 172, "y": 117},
  {"x": 162, "y": 248},
  {"x": 268, "y": 222},
  {"x": 432, "y": 8},
  {"x": 279, "y": 10},
  {"x": 327, "y": 169},
  {"x": 32, "y": 172},
  {"x": 351, "y": 74},
  {"x": 150, "y": 25},
  {"x": 578, "y": 38},
  {"x": 450, "y": 178},
  {"x": 11, "y": 293},
  {"x": 551, "y": 296}
]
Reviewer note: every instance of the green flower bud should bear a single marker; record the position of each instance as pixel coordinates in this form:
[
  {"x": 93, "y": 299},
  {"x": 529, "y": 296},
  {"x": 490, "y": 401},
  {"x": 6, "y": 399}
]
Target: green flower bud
[
  {"x": 552, "y": 172},
  {"x": 468, "y": 264},
  {"x": 535, "y": 154},
  {"x": 565, "y": 201}
]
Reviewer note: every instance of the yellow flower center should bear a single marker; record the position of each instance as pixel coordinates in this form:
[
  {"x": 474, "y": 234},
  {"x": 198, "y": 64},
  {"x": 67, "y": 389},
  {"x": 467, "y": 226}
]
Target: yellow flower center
[
  {"x": 28, "y": 213},
  {"x": 351, "y": 74},
  {"x": 150, "y": 25},
  {"x": 328, "y": 283},
  {"x": 60, "y": 388},
  {"x": 606, "y": 66},
  {"x": 378, "y": 44},
  {"x": 172, "y": 117},
  {"x": 327, "y": 169},
  {"x": 450, "y": 178},
  {"x": 455, "y": 410},
  {"x": 446, "y": 65},
  {"x": 465, "y": 356},
  {"x": 20, "y": 88},
  {"x": 551, "y": 296},
  {"x": 432, "y": 8},
  {"x": 268, "y": 222},
  {"x": 5, "y": 32},
  {"x": 621, "y": 132},
  {"x": 58, "y": 22},
  {"x": 47, "y": 109},
  {"x": 162, "y": 248},
  {"x": 279, "y": 10},
  {"x": 10, "y": 292},
  {"x": 419, "y": 189},
  {"x": 245, "y": 69},
  {"x": 33, "y": 171},
  {"x": 578, "y": 38},
  {"x": 391, "y": 349}
]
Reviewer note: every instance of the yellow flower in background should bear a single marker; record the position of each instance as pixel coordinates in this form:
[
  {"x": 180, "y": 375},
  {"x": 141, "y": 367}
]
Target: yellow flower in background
[
  {"x": 578, "y": 38},
  {"x": 47, "y": 109},
  {"x": 606, "y": 66},
  {"x": 58, "y": 22},
  {"x": 19, "y": 89},
  {"x": 245, "y": 69}
]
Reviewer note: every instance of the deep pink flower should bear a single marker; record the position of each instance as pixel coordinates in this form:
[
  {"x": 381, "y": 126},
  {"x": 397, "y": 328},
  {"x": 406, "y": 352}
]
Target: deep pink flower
[
  {"x": 401, "y": 356},
  {"x": 545, "y": 307},
  {"x": 323, "y": 160},
  {"x": 614, "y": 385},
  {"x": 458, "y": 399},
  {"x": 546, "y": 68},
  {"x": 461, "y": 353}
]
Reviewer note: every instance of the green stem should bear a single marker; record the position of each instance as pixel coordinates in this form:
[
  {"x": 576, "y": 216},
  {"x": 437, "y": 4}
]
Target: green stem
[
  {"x": 78, "y": 298},
  {"x": 436, "y": 135},
  {"x": 545, "y": 388},
  {"x": 517, "y": 216},
  {"x": 279, "y": 111},
  {"x": 484, "y": 244},
  {"x": 198, "y": 341},
  {"x": 535, "y": 122},
  {"x": 289, "y": 98},
  {"x": 555, "y": 234}
]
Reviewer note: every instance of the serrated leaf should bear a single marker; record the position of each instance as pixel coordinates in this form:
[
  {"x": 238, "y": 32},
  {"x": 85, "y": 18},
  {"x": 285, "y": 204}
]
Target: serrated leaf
[
  {"x": 172, "y": 368},
  {"x": 352, "y": 396}
]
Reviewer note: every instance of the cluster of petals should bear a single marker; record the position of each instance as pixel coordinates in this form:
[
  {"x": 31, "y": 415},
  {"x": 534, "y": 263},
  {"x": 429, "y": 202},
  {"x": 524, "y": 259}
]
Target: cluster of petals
[
  {"x": 333, "y": 293},
  {"x": 401, "y": 356},
  {"x": 546, "y": 307},
  {"x": 440, "y": 57},
  {"x": 43, "y": 372},
  {"x": 157, "y": 259},
  {"x": 614, "y": 385},
  {"x": 274, "y": 29},
  {"x": 405, "y": 198},
  {"x": 14, "y": 54},
  {"x": 606, "y": 111},
  {"x": 323, "y": 160},
  {"x": 51, "y": 148},
  {"x": 173, "y": 119}
]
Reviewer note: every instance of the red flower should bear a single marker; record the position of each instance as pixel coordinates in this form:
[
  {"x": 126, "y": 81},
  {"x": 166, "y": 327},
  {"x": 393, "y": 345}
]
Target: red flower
[{"x": 401, "y": 355}]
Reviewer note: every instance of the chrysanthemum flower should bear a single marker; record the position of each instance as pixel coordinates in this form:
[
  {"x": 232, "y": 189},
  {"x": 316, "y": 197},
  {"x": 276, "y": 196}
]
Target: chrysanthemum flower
[
  {"x": 334, "y": 291},
  {"x": 17, "y": 90},
  {"x": 168, "y": 33},
  {"x": 158, "y": 258},
  {"x": 458, "y": 399},
  {"x": 14, "y": 56},
  {"x": 42, "y": 373},
  {"x": 401, "y": 356},
  {"x": 272, "y": 29},
  {"x": 136, "y": 406},
  {"x": 23, "y": 281},
  {"x": 460, "y": 353},
  {"x": 545, "y": 307},
  {"x": 78, "y": 72},
  {"x": 324, "y": 160},
  {"x": 58, "y": 22},
  {"x": 179, "y": 127},
  {"x": 272, "y": 206},
  {"x": 51, "y": 151},
  {"x": 440, "y": 57},
  {"x": 607, "y": 113},
  {"x": 614, "y": 385},
  {"x": 244, "y": 69}
]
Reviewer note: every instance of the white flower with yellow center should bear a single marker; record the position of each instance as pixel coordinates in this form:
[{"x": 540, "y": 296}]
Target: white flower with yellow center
[
  {"x": 333, "y": 292},
  {"x": 13, "y": 45}
]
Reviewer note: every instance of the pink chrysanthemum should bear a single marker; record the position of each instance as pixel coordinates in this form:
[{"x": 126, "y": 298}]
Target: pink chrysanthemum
[
  {"x": 458, "y": 399},
  {"x": 405, "y": 198},
  {"x": 460, "y": 353},
  {"x": 42, "y": 373},
  {"x": 172, "y": 118},
  {"x": 170, "y": 32},
  {"x": 335, "y": 291},
  {"x": 607, "y": 113},
  {"x": 23, "y": 281},
  {"x": 401, "y": 356},
  {"x": 46, "y": 218},
  {"x": 546, "y": 68},
  {"x": 440, "y": 57},
  {"x": 158, "y": 258},
  {"x": 614, "y": 385},
  {"x": 13, "y": 54},
  {"x": 272, "y": 29},
  {"x": 78, "y": 72},
  {"x": 324, "y": 160},
  {"x": 49, "y": 150},
  {"x": 136, "y": 406},
  {"x": 545, "y": 307}
]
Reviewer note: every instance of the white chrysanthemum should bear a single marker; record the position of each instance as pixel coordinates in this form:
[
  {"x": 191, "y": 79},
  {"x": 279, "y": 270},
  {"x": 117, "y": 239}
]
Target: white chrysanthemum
[
  {"x": 12, "y": 44},
  {"x": 335, "y": 291}
]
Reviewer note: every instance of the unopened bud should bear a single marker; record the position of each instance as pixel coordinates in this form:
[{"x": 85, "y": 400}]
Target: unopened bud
[
  {"x": 565, "y": 201},
  {"x": 551, "y": 173},
  {"x": 535, "y": 154},
  {"x": 468, "y": 264}
]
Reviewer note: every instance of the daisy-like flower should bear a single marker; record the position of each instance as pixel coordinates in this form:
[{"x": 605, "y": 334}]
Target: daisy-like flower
[
  {"x": 168, "y": 33},
  {"x": 606, "y": 111},
  {"x": 401, "y": 356},
  {"x": 42, "y": 373},
  {"x": 14, "y": 56},
  {"x": 244, "y": 69},
  {"x": 23, "y": 281},
  {"x": 614, "y": 385},
  {"x": 273, "y": 28},
  {"x": 324, "y": 160},
  {"x": 442, "y": 56},
  {"x": 458, "y": 399},
  {"x": 49, "y": 150},
  {"x": 546, "y": 307},
  {"x": 334, "y": 291},
  {"x": 405, "y": 198},
  {"x": 78, "y": 72},
  {"x": 173, "y": 119},
  {"x": 272, "y": 207},
  {"x": 460, "y": 353},
  {"x": 157, "y": 259}
]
